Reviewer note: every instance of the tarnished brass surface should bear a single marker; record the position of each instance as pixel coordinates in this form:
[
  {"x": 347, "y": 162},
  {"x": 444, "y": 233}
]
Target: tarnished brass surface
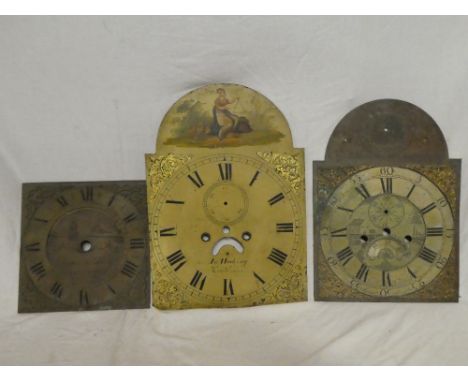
[
  {"x": 83, "y": 246},
  {"x": 226, "y": 210},
  {"x": 385, "y": 227},
  {"x": 387, "y": 129}
]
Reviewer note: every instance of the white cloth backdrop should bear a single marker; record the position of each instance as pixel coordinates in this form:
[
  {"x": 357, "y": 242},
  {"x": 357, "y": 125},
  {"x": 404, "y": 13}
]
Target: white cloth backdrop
[{"x": 81, "y": 99}]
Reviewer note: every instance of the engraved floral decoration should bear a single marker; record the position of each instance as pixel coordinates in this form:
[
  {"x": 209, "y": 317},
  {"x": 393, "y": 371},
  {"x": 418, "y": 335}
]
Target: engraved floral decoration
[
  {"x": 160, "y": 168},
  {"x": 287, "y": 166},
  {"x": 166, "y": 295},
  {"x": 293, "y": 288}
]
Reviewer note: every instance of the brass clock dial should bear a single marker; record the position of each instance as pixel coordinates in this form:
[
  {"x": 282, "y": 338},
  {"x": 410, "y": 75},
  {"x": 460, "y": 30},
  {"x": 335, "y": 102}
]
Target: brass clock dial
[
  {"x": 387, "y": 231},
  {"x": 83, "y": 246},
  {"x": 227, "y": 228},
  {"x": 386, "y": 209},
  {"x": 226, "y": 203}
]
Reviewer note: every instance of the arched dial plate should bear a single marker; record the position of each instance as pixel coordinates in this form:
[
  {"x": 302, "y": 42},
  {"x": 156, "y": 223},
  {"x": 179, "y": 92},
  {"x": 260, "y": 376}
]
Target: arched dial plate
[
  {"x": 83, "y": 247},
  {"x": 227, "y": 229},
  {"x": 387, "y": 231}
]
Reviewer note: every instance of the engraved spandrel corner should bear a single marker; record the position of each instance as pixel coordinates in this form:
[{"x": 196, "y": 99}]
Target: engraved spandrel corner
[{"x": 288, "y": 166}]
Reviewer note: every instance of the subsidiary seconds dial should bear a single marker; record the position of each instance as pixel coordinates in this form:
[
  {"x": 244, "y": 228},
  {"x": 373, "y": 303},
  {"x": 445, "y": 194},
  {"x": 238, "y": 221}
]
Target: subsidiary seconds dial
[{"x": 227, "y": 228}]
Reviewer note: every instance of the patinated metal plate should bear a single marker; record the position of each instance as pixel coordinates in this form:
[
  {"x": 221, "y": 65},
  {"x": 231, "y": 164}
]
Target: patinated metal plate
[
  {"x": 84, "y": 247},
  {"x": 386, "y": 209}
]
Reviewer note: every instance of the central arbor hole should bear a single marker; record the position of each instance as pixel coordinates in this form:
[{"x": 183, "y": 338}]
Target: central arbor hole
[
  {"x": 364, "y": 239},
  {"x": 386, "y": 212},
  {"x": 205, "y": 236},
  {"x": 225, "y": 203},
  {"x": 86, "y": 246},
  {"x": 386, "y": 231}
]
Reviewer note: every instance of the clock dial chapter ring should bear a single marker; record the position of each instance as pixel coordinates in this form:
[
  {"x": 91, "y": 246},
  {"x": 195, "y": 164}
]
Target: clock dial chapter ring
[
  {"x": 226, "y": 229},
  {"x": 387, "y": 231},
  {"x": 78, "y": 243}
]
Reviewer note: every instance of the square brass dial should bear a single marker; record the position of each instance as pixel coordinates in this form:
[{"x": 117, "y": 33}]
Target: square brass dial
[
  {"x": 83, "y": 246},
  {"x": 342, "y": 275}
]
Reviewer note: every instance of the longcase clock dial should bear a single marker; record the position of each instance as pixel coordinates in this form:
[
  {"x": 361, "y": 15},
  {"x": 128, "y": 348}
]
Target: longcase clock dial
[
  {"x": 226, "y": 203},
  {"x": 387, "y": 231},
  {"x": 84, "y": 246},
  {"x": 386, "y": 208},
  {"x": 227, "y": 228}
]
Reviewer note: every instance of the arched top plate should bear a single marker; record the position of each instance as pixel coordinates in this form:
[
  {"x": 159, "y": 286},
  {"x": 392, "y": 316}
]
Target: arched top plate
[
  {"x": 223, "y": 116},
  {"x": 387, "y": 130}
]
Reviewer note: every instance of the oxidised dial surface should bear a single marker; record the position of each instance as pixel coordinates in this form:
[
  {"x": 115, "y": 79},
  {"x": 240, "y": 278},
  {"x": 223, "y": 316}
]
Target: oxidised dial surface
[
  {"x": 387, "y": 231},
  {"x": 227, "y": 229},
  {"x": 84, "y": 246}
]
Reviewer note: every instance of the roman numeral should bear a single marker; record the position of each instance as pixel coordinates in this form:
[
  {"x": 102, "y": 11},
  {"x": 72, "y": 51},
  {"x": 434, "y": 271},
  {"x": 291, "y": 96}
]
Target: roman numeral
[
  {"x": 413, "y": 275},
  {"x": 276, "y": 198},
  {"x": 111, "y": 289},
  {"x": 362, "y": 190},
  {"x": 386, "y": 282},
  {"x": 345, "y": 209},
  {"x": 175, "y": 202},
  {"x": 410, "y": 191},
  {"x": 111, "y": 200},
  {"x": 387, "y": 185},
  {"x": 196, "y": 279},
  {"x": 84, "y": 297},
  {"x": 362, "y": 273},
  {"x": 428, "y": 208},
  {"x": 62, "y": 201},
  {"x": 33, "y": 247},
  {"x": 284, "y": 227},
  {"x": 195, "y": 178},
  {"x": 228, "y": 288},
  {"x": 129, "y": 269},
  {"x": 434, "y": 231},
  {"x": 277, "y": 256},
  {"x": 177, "y": 260},
  {"x": 168, "y": 232},
  {"x": 137, "y": 243},
  {"x": 41, "y": 220},
  {"x": 258, "y": 278},
  {"x": 225, "y": 170},
  {"x": 39, "y": 270},
  {"x": 87, "y": 194},
  {"x": 57, "y": 290},
  {"x": 254, "y": 178},
  {"x": 345, "y": 255},
  {"x": 130, "y": 218},
  {"x": 339, "y": 232},
  {"x": 428, "y": 255}
]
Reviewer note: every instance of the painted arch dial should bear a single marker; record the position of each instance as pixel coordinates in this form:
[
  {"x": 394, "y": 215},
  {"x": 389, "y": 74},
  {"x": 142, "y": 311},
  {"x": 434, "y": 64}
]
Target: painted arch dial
[
  {"x": 227, "y": 228},
  {"x": 387, "y": 231}
]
